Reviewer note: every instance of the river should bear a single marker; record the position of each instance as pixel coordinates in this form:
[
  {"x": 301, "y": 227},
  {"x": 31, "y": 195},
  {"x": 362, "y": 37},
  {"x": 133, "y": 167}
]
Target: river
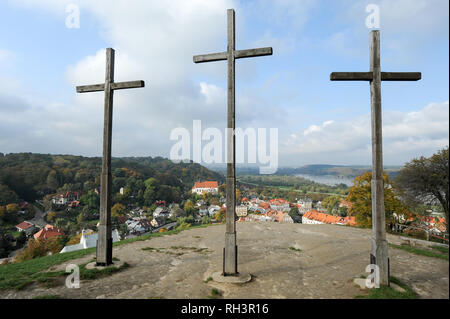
[{"x": 330, "y": 180}]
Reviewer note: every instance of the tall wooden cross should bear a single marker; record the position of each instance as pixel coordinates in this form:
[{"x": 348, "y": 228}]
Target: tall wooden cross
[
  {"x": 379, "y": 253},
  {"x": 230, "y": 250},
  {"x": 104, "y": 242}
]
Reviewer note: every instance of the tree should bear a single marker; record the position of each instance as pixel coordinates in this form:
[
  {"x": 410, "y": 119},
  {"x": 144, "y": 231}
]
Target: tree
[
  {"x": 426, "y": 180},
  {"x": 238, "y": 196},
  {"x": 7, "y": 196},
  {"x": 118, "y": 210},
  {"x": 12, "y": 208},
  {"x": 331, "y": 204},
  {"x": 360, "y": 197},
  {"x": 294, "y": 212},
  {"x": 220, "y": 215},
  {"x": 189, "y": 208},
  {"x": 39, "y": 248},
  {"x": 51, "y": 217}
]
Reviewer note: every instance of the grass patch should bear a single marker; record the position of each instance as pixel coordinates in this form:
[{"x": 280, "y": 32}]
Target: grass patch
[
  {"x": 91, "y": 274},
  {"x": 21, "y": 275},
  {"x": 208, "y": 280},
  {"x": 177, "y": 253},
  {"x": 443, "y": 250},
  {"x": 385, "y": 292},
  {"x": 422, "y": 252},
  {"x": 294, "y": 249},
  {"x": 215, "y": 293}
]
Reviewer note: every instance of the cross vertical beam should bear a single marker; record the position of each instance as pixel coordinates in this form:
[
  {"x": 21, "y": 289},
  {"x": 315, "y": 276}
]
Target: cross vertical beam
[
  {"x": 379, "y": 250},
  {"x": 104, "y": 242},
  {"x": 230, "y": 263},
  {"x": 230, "y": 250},
  {"x": 379, "y": 243}
]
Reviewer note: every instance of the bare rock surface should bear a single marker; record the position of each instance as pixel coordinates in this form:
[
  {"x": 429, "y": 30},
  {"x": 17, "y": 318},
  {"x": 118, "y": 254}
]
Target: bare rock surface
[{"x": 285, "y": 261}]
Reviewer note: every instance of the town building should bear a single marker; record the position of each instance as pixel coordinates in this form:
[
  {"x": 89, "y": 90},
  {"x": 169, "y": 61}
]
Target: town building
[
  {"x": 206, "y": 187},
  {"x": 48, "y": 232},
  {"x": 88, "y": 241}
]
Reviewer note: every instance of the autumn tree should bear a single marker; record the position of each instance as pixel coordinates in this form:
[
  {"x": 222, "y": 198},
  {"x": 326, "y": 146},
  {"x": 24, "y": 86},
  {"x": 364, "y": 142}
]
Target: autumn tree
[
  {"x": 40, "y": 247},
  {"x": 220, "y": 215},
  {"x": 51, "y": 217},
  {"x": 118, "y": 210},
  {"x": 426, "y": 180},
  {"x": 360, "y": 197}
]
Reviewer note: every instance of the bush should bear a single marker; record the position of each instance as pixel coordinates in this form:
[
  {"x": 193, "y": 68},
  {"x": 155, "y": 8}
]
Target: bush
[{"x": 39, "y": 248}]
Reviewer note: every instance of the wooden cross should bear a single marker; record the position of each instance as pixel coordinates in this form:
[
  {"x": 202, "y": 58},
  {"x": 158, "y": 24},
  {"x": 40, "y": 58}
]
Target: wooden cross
[
  {"x": 379, "y": 255},
  {"x": 104, "y": 242},
  {"x": 230, "y": 250}
]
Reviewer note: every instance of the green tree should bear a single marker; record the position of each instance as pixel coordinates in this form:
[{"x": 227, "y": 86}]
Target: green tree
[
  {"x": 426, "y": 180},
  {"x": 293, "y": 212},
  {"x": 7, "y": 196},
  {"x": 331, "y": 204}
]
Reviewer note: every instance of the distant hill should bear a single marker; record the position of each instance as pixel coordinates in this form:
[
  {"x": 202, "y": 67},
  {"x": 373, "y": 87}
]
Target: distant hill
[
  {"x": 30, "y": 176},
  {"x": 316, "y": 169},
  {"x": 335, "y": 170}
]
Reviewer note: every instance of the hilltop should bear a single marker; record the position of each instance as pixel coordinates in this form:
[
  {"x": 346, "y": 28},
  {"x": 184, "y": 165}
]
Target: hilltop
[
  {"x": 30, "y": 176},
  {"x": 285, "y": 260}
]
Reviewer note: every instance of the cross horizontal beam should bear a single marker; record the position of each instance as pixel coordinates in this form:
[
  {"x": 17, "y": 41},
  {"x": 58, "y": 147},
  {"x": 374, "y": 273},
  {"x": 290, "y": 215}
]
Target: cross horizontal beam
[
  {"x": 238, "y": 54},
  {"x": 368, "y": 76},
  {"x": 114, "y": 86}
]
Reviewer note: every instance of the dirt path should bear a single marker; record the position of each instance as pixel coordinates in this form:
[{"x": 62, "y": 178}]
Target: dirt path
[{"x": 322, "y": 263}]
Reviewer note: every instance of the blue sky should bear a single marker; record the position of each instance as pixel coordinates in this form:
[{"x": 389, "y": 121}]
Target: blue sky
[{"x": 319, "y": 121}]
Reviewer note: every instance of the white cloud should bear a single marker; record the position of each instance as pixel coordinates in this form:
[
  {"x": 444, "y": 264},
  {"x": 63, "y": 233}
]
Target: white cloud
[{"x": 405, "y": 135}]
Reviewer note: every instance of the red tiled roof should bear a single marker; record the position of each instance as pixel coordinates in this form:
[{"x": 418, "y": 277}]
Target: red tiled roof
[
  {"x": 24, "y": 225},
  {"x": 343, "y": 202},
  {"x": 329, "y": 219},
  {"x": 47, "y": 232},
  {"x": 212, "y": 184}
]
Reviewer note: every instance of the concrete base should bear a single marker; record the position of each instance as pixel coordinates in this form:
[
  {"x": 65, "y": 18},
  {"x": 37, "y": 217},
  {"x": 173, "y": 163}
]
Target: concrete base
[
  {"x": 237, "y": 279},
  {"x": 115, "y": 264}
]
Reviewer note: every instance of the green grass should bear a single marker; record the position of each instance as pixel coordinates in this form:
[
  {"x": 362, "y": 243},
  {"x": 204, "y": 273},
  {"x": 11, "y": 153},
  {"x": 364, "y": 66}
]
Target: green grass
[
  {"x": 215, "y": 293},
  {"x": 208, "y": 280},
  {"x": 422, "y": 252},
  {"x": 294, "y": 249},
  {"x": 20, "y": 275},
  {"x": 91, "y": 274},
  {"x": 443, "y": 250},
  {"x": 385, "y": 292}
]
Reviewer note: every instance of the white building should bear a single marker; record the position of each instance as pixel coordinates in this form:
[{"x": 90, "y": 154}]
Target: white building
[
  {"x": 88, "y": 241},
  {"x": 206, "y": 187}
]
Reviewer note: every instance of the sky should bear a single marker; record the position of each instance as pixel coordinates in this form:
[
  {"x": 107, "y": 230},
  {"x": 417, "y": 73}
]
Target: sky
[{"x": 42, "y": 60}]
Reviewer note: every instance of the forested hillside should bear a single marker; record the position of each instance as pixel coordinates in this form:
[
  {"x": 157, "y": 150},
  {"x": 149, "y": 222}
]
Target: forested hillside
[{"x": 31, "y": 176}]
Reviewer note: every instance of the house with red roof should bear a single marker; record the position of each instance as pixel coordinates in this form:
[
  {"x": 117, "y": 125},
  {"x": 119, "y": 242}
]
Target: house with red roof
[
  {"x": 206, "y": 187},
  {"x": 48, "y": 232},
  {"x": 66, "y": 198},
  {"x": 316, "y": 217},
  {"x": 25, "y": 226}
]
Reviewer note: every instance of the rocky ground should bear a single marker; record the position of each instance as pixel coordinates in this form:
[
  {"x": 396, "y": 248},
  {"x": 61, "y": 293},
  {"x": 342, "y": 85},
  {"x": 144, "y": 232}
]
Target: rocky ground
[{"x": 285, "y": 261}]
